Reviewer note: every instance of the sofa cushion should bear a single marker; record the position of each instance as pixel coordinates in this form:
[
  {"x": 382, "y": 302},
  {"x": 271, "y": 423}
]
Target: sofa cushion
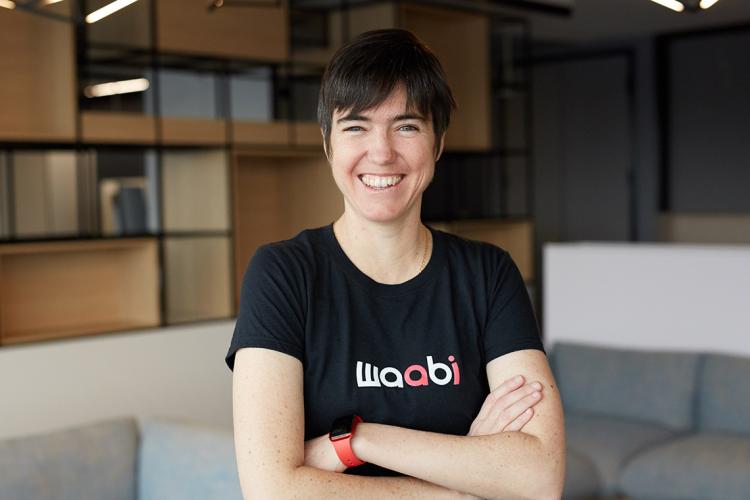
[
  {"x": 581, "y": 479},
  {"x": 724, "y": 394},
  {"x": 91, "y": 462},
  {"x": 705, "y": 466},
  {"x": 609, "y": 442},
  {"x": 180, "y": 460},
  {"x": 652, "y": 386}
]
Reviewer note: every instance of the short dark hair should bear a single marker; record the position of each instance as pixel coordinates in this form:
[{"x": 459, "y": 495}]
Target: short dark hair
[{"x": 364, "y": 72}]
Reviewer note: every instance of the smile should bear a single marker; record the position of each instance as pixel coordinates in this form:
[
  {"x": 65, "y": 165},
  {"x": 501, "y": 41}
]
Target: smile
[{"x": 380, "y": 182}]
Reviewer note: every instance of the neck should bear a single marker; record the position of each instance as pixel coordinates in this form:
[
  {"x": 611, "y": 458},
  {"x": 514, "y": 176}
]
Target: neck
[{"x": 389, "y": 253}]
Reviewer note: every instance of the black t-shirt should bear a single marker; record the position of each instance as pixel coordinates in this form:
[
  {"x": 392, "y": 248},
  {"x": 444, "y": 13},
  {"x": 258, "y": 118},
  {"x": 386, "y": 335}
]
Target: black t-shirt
[{"x": 412, "y": 355}]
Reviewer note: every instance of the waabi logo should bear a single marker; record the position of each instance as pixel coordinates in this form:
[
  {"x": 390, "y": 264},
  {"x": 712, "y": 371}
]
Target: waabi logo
[{"x": 416, "y": 375}]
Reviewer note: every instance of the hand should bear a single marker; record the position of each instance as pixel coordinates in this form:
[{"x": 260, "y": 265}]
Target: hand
[
  {"x": 320, "y": 453},
  {"x": 507, "y": 408}
]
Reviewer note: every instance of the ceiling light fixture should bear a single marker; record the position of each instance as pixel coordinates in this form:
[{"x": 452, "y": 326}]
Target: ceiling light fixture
[
  {"x": 114, "y": 88},
  {"x": 107, "y": 10},
  {"x": 686, "y": 5},
  {"x": 7, "y": 4}
]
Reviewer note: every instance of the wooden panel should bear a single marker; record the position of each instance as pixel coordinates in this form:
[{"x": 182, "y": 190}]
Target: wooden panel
[
  {"x": 37, "y": 64},
  {"x": 198, "y": 271},
  {"x": 704, "y": 228},
  {"x": 117, "y": 128},
  {"x": 308, "y": 134},
  {"x": 275, "y": 197},
  {"x": 187, "y": 26},
  {"x": 260, "y": 133},
  {"x": 188, "y": 176},
  {"x": 517, "y": 237},
  {"x": 461, "y": 42},
  {"x": 193, "y": 132},
  {"x": 64, "y": 289}
]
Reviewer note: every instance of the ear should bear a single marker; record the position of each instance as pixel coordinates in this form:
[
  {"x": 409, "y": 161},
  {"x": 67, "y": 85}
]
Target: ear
[{"x": 442, "y": 146}]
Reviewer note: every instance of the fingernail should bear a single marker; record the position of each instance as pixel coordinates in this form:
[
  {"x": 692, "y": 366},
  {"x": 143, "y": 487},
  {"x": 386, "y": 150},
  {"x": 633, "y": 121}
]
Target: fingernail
[
  {"x": 536, "y": 385},
  {"x": 528, "y": 411},
  {"x": 518, "y": 378}
]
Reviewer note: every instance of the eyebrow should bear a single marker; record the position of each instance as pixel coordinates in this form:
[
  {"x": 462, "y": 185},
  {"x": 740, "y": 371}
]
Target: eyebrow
[{"x": 362, "y": 118}]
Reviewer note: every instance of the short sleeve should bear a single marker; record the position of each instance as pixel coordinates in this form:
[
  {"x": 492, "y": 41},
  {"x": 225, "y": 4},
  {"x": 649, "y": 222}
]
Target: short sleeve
[
  {"x": 511, "y": 324},
  {"x": 272, "y": 312}
]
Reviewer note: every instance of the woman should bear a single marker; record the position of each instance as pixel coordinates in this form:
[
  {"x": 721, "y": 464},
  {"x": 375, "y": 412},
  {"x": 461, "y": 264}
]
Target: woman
[{"x": 379, "y": 319}]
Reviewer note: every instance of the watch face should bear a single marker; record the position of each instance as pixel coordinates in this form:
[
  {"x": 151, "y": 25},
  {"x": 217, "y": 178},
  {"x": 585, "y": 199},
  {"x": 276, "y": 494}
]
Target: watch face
[{"x": 341, "y": 428}]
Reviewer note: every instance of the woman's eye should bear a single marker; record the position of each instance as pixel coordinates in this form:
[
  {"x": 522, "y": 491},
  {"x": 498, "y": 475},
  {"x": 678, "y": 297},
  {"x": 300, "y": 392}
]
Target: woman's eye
[
  {"x": 354, "y": 128},
  {"x": 408, "y": 128}
]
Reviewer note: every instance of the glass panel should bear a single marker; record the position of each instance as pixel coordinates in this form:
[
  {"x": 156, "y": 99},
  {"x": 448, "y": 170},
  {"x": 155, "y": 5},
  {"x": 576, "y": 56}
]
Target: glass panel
[
  {"x": 126, "y": 193},
  {"x": 195, "y": 190},
  {"x": 188, "y": 94},
  {"x": 198, "y": 284},
  {"x": 465, "y": 186},
  {"x": 45, "y": 193},
  {"x": 252, "y": 95}
]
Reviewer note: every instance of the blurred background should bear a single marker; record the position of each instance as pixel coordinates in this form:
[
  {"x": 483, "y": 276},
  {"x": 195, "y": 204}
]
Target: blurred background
[{"x": 148, "y": 147}]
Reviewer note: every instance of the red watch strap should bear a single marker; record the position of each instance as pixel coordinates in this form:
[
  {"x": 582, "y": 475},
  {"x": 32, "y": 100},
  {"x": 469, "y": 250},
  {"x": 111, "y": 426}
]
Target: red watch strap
[{"x": 344, "y": 447}]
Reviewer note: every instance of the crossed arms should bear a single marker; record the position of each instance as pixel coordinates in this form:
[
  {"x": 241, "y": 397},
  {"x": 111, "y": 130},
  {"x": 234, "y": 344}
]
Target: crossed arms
[{"x": 271, "y": 453}]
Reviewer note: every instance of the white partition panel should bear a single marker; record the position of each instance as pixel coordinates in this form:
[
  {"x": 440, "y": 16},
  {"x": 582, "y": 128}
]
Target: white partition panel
[
  {"x": 648, "y": 296},
  {"x": 176, "y": 373}
]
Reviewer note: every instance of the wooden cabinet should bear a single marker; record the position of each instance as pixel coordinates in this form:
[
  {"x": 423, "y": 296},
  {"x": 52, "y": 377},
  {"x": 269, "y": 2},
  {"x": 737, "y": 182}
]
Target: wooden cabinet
[{"x": 61, "y": 289}]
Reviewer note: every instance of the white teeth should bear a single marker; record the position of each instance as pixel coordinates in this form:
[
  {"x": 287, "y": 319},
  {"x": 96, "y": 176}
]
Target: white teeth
[{"x": 376, "y": 181}]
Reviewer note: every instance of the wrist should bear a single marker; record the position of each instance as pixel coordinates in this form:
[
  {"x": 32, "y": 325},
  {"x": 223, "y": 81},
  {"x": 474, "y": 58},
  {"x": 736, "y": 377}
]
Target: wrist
[{"x": 359, "y": 441}]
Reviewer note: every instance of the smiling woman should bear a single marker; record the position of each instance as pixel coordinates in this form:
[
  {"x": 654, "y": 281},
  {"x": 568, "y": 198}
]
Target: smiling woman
[{"x": 333, "y": 323}]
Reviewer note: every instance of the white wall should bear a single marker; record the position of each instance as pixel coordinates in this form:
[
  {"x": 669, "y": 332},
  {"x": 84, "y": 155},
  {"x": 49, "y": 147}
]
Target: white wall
[
  {"x": 175, "y": 372},
  {"x": 648, "y": 296}
]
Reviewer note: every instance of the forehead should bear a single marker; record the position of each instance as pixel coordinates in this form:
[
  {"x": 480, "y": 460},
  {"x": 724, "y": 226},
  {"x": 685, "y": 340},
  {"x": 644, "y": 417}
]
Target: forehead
[{"x": 392, "y": 106}]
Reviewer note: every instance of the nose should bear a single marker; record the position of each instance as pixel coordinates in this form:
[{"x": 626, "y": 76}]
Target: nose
[{"x": 381, "y": 148}]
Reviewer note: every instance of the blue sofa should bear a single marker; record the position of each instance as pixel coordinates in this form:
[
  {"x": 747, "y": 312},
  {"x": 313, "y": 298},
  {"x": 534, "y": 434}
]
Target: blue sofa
[
  {"x": 119, "y": 459},
  {"x": 640, "y": 425},
  {"x": 654, "y": 425}
]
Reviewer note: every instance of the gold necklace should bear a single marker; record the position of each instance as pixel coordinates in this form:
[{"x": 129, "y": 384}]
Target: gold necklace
[{"x": 424, "y": 256}]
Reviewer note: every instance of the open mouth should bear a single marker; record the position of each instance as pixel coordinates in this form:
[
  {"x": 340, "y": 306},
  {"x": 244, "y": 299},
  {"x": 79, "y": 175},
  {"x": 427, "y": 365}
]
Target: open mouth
[{"x": 381, "y": 182}]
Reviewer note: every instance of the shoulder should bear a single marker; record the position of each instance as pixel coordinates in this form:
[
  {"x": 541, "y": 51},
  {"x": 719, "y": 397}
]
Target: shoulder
[
  {"x": 290, "y": 260},
  {"x": 474, "y": 254}
]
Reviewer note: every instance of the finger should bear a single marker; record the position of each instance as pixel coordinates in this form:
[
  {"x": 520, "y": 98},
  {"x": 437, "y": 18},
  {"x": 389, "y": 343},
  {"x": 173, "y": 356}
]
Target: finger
[
  {"x": 520, "y": 421},
  {"x": 515, "y": 396},
  {"x": 507, "y": 386},
  {"x": 516, "y": 409}
]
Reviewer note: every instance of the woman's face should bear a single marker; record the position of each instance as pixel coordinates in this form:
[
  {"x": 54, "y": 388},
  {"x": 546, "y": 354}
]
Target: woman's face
[{"x": 383, "y": 159}]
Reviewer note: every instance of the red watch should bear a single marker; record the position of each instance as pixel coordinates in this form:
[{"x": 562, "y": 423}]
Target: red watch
[{"x": 342, "y": 432}]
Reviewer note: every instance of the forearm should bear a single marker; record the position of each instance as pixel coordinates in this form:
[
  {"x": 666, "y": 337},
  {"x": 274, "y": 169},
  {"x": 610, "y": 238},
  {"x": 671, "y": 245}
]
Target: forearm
[
  {"x": 309, "y": 482},
  {"x": 504, "y": 465}
]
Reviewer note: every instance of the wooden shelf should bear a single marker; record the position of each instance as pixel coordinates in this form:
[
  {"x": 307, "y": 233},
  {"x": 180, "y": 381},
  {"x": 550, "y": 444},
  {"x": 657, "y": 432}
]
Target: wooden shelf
[
  {"x": 276, "y": 195},
  {"x": 193, "y": 132},
  {"x": 109, "y": 127},
  {"x": 69, "y": 288},
  {"x": 260, "y": 133}
]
